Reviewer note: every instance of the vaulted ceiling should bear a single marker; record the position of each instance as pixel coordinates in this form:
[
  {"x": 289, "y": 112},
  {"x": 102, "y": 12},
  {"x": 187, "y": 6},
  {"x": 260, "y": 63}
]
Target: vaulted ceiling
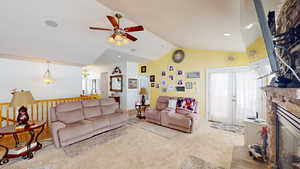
[
  {"x": 169, "y": 24},
  {"x": 24, "y": 33}
]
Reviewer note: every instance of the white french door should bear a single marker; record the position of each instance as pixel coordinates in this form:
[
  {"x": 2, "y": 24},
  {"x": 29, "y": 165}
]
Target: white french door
[{"x": 232, "y": 94}]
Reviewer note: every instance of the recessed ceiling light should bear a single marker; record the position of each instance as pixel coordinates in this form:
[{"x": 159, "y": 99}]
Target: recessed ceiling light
[
  {"x": 51, "y": 23},
  {"x": 227, "y": 34},
  {"x": 249, "y": 26},
  {"x": 119, "y": 56}
]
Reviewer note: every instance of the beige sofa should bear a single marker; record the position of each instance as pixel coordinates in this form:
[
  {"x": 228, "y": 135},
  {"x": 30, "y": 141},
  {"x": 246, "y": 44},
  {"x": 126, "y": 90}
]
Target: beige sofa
[
  {"x": 173, "y": 118},
  {"x": 76, "y": 121}
]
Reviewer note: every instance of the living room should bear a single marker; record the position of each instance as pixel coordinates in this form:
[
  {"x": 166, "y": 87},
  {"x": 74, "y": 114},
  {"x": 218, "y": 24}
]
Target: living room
[{"x": 149, "y": 84}]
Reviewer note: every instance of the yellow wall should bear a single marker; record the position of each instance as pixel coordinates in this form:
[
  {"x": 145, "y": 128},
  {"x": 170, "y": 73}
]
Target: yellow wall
[
  {"x": 259, "y": 46},
  {"x": 197, "y": 61}
]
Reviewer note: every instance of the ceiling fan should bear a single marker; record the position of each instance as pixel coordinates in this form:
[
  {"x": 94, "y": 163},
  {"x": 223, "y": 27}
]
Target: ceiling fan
[{"x": 120, "y": 35}]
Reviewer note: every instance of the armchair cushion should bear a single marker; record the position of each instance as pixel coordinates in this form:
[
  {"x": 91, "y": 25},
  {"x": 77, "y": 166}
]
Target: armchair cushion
[
  {"x": 69, "y": 112},
  {"x": 179, "y": 120}
]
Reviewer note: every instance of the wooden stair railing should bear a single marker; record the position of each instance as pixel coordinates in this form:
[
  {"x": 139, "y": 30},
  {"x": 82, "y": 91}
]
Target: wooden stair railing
[{"x": 40, "y": 110}]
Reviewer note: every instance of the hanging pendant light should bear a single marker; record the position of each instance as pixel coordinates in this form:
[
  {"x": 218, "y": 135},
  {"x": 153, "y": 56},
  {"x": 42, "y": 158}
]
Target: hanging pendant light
[{"x": 47, "y": 78}]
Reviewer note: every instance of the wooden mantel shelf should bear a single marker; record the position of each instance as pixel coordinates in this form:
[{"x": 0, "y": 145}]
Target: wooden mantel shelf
[{"x": 292, "y": 93}]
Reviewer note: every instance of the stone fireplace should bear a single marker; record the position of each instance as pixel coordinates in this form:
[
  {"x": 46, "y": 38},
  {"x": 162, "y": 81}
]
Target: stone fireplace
[{"x": 282, "y": 102}]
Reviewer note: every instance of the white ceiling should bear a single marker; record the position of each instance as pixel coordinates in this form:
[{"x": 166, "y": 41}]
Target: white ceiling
[
  {"x": 23, "y": 32},
  {"x": 198, "y": 24}
]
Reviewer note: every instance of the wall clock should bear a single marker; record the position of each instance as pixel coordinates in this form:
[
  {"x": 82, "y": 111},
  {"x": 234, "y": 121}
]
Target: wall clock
[{"x": 178, "y": 56}]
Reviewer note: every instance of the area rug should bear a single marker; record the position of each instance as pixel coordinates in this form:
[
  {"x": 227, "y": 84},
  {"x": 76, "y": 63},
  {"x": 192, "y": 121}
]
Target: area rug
[
  {"x": 228, "y": 127},
  {"x": 192, "y": 162},
  {"x": 154, "y": 128},
  {"x": 44, "y": 167},
  {"x": 85, "y": 145}
]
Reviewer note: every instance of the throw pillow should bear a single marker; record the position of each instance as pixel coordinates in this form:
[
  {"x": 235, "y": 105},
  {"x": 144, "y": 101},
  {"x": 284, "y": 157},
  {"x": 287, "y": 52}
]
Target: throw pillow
[
  {"x": 172, "y": 103},
  {"x": 188, "y": 104}
]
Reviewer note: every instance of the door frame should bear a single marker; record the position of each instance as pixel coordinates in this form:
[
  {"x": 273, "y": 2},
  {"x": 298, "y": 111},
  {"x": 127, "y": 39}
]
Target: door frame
[{"x": 216, "y": 70}]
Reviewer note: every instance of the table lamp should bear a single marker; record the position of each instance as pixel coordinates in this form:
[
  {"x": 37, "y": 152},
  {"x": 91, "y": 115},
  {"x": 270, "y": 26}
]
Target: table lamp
[
  {"x": 22, "y": 98},
  {"x": 143, "y": 92}
]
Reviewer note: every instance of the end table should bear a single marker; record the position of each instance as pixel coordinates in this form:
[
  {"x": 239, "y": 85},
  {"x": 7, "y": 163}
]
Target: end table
[
  {"x": 141, "y": 110},
  {"x": 22, "y": 150}
]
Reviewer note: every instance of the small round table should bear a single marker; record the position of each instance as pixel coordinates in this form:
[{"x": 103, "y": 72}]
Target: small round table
[
  {"x": 26, "y": 150},
  {"x": 141, "y": 110}
]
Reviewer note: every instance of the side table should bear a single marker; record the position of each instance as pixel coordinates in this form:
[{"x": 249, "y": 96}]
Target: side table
[
  {"x": 141, "y": 110},
  {"x": 24, "y": 150}
]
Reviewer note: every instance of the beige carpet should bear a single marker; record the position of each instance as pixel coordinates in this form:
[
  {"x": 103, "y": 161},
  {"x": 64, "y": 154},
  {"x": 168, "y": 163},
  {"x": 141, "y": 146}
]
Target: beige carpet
[{"x": 141, "y": 149}]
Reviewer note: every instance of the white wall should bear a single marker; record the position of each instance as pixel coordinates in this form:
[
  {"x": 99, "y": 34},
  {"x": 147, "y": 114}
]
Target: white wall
[
  {"x": 129, "y": 70},
  {"x": 25, "y": 75},
  {"x": 132, "y": 94}
]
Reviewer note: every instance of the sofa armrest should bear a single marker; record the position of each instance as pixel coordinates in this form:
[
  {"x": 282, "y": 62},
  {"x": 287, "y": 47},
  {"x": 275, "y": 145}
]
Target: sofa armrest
[
  {"x": 55, "y": 127},
  {"x": 195, "y": 121}
]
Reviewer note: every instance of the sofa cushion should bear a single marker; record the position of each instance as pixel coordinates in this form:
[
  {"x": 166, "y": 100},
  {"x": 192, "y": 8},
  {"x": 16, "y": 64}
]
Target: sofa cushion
[
  {"x": 76, "y": 129},
  {"x": 91, "y": 108},
  {"x": 179, "y": 120},
  {"x": 99, "y": 122},
  {"x": 117, "y": 118},
  {"x": 108, "y": 106},
  {"x": 69, "y": 112}
]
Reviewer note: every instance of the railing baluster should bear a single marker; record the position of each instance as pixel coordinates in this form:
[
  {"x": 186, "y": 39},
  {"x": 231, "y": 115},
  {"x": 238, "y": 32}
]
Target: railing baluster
[
  {"x": 7, "y": 115},
  {"x": 31, "y": 108},
  {"x": 37, "y": 111},
  {"x": 42, "y": 111},
  {"x": 1, "y": 116},
  {"x": 47, "y": 111}
]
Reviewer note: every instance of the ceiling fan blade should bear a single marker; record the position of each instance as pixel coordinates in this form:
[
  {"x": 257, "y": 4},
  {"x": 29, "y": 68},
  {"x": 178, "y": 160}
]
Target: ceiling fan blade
[
  {"x": 130, "y": 37},
  {"x": 134, "y": 29},
  {"x": 113, "y": 21},
  {"x": 103, "y": 29}
]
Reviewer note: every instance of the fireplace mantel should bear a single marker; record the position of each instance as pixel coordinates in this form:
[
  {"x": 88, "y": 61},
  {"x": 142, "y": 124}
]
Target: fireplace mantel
[{"x": 289, "y": 98}]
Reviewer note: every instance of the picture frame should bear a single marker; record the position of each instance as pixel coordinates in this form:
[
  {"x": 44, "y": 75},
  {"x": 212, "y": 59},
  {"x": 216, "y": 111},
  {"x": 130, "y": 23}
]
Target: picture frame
[
  {"x": 171, "y": 68},
  {"x": 171, "y": 77},
  {"x": 152, "y": 84},
  {"x": 157, "y": 85},
  {"x": 152, "y": 78},
  {"x": 180, "y": 72},
  {"x": 132, "y": 83},
  {"x": 180, "y": 88},
  {"x": 163, "y": 83},
  {"x": 191, "y": 75},
  {"x": 143, "y": 69},
  {"x": 180, "y": 82},
  {"x": 116, "y": 83},
  {"x": 189, "y": 85}
]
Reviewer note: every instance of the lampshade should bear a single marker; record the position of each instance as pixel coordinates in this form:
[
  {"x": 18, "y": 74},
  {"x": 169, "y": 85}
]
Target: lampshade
[
  {"x": 21, "y": 98},
  {"x": 143, "y": 91}
]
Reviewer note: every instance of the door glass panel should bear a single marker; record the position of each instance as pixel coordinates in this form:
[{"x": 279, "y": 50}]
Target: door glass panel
[{"x": 220, "y": 97}]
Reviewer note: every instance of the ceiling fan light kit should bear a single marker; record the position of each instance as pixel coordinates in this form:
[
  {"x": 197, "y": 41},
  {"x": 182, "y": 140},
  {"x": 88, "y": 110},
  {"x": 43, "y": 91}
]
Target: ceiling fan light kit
[{"x": 120, "y": 36}]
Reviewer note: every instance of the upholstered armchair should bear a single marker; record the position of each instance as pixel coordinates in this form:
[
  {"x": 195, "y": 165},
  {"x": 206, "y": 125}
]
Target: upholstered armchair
[
  {"x": 184, "y": 121},
  {"x": 153, "y": 114},
  {"x": 179, "y": 119}
]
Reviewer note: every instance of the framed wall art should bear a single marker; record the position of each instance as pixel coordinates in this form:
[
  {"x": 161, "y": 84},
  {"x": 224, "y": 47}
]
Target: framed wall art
[
  {"x": 143, "y": 69},
  {"x": 152, "y": 78},
  {"x": 132, "y": 83},
  {"x": 192, "y": 75}
]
